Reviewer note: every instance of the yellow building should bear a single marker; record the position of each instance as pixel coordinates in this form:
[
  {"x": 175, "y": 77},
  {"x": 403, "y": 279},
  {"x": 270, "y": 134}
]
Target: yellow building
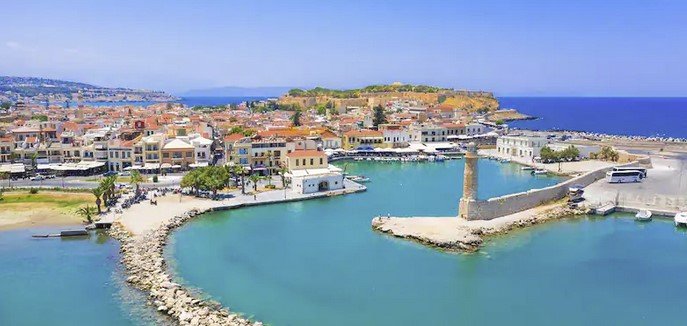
[
  {"x": 306, "y": 159},
  {"x": 363, "y": 138}
]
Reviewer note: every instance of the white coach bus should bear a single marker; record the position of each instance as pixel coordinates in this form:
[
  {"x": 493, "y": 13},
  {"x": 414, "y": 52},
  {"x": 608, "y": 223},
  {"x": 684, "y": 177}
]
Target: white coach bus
[{"x": 624, "y": 176}]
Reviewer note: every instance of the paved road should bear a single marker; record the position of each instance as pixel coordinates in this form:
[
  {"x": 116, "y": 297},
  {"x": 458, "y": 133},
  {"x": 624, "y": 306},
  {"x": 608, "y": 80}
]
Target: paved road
[
  {"x": 85, "y": 182},
  {"x": 665, "y": 188}
]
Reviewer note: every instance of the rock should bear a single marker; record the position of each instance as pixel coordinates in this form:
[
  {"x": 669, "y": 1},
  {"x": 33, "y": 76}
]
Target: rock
[{"x": 185, "y": 316}]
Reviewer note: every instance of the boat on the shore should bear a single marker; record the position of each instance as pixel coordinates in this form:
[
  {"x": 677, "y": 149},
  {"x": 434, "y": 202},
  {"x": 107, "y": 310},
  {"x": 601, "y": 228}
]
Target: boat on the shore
[
  {"x": 643, "y": 215},
  {"x": 681, "y": 219},
  {"x": 527, "y": 168}
]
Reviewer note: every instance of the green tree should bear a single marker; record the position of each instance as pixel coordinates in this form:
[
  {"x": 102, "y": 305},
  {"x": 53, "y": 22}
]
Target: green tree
[
  {"x": 379, "y": 115},
  {"x": 136, "y": 179},
  {"x": 282, "y": 173},
  {"x": 213, "y": 178},
  {"x": 86, "y": 212},
  {"x": 192, "y": 180},
  {"x": 97, "y": 192},
  {"x": 6, "y": 175},
  {"x": 6, "y": 105},
  {"x": 241, "y": 172},
  {"x": 254, "y": 179},
  {"x": 296, "y": 118},
  {"x": 40, "y": 117}
]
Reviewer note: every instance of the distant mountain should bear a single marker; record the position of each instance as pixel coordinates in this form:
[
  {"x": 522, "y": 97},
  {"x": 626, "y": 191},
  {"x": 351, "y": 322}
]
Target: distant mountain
[
  {"x": 238, "y": 91},
  {"x": 36, "y": 89}
]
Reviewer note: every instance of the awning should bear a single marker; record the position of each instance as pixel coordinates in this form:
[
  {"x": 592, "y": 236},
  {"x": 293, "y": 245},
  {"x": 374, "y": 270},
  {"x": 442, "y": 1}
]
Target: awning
[
  {"x": 198, "y": 165},
  {"x": 166, "y": 165}
]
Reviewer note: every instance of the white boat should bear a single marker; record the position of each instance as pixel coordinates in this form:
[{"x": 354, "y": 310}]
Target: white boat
[
  {"x": 505, "y": 160},
  {"x": 358, "y": 178},
  {"x": 358, "y": 158},
  {"x": 643, "y": 215},
  {"x": 440, "y": 158},
  {"x": 681, "y": 219},
  {"x": 527, "y": 168},
  {"x": 539, "y": 172}
]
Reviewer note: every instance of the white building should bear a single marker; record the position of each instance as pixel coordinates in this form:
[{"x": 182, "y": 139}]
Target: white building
[
  {"x": 202, "y": 148},
  {"x": 394, "y": 135},
  {"x": 520, "y": 146},
  {"x": 314, "y": 180}
]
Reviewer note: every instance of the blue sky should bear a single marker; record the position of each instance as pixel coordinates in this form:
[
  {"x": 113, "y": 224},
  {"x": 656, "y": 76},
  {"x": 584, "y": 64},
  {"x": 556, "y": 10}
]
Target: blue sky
[{"x": 587, "y": 48}]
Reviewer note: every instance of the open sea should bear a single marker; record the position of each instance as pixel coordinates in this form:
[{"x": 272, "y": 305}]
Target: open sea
[{"x": 636, "y": 116}]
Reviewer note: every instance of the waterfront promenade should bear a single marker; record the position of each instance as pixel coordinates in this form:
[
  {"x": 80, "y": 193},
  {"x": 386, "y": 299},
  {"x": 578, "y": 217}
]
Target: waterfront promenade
[{"x": 144, "y": 217}]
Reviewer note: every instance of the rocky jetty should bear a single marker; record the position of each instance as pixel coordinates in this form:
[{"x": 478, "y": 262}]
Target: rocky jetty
[
  {"x": 457, "y": 234},
  {"x": 144, "y": 261}
]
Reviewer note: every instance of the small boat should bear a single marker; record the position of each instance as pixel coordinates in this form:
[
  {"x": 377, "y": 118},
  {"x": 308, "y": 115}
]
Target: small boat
[
  {"x": 358, "y": 158},
  {"x": 527, "y": 168},
  {"x": 440, "y": 158},
  {"x": 505, "y": 160},
  {"x": 681, "y": 219},
  {"x": 643, "y": 215},
  {"x": 360, "y": 178},
  {"x": 539, "y": 172}
]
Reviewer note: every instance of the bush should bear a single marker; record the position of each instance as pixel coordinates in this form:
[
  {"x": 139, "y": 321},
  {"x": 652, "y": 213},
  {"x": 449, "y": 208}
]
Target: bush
[
  {"x": 33, "y": 191},
  {"x": 155, "y": 178},
  {"x": 270, "y": 187}
]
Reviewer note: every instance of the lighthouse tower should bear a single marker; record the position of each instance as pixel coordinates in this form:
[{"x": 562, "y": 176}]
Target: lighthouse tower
[{"x": 469, "y": 183}]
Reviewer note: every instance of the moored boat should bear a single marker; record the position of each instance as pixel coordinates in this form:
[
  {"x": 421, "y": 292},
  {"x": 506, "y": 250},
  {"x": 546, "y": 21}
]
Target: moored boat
[
  {"x": 643, "y": 215},
  {"x": 527, "y": 168},
  {"x": 681, "y": 219},
  {"x": 358, "y": 178},
  {"x": 539, "y": 172}
]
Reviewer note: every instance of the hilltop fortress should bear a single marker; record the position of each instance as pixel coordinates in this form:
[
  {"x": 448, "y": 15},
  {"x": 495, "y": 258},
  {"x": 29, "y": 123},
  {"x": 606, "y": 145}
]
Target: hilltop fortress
[{"x": 370, "y": 96}]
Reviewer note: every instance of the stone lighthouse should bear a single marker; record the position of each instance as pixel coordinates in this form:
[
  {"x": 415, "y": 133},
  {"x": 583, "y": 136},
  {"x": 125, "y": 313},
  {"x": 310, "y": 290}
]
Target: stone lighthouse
[{"x": 469, "y": 198}]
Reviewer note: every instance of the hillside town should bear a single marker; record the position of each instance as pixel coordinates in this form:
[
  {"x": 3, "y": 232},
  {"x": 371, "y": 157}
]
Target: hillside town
[{"x": 39, "y": 141}]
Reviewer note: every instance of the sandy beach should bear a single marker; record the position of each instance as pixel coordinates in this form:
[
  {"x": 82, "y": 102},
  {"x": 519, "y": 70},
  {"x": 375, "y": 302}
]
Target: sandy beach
[{"x": 21, "y": 210}]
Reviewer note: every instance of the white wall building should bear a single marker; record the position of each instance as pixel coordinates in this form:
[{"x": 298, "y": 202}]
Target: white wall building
[
  {"x": 315, "y": 180},
  {"x": 520, "y": 146}
]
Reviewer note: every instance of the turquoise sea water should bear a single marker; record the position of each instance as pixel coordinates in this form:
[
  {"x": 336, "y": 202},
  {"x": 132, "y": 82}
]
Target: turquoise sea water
[
  {"x": 65, "y": 282},
  {"x": 319, "y": 263}
]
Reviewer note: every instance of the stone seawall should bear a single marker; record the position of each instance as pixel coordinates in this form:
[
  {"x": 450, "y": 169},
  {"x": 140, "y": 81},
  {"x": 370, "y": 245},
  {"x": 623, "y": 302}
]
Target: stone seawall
[{"x": 513, "y": 203}]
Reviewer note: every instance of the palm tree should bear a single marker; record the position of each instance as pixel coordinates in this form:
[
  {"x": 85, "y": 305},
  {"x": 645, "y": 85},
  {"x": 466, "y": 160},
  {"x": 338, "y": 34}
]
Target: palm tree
[
  {"x": 86, "y": 212},
  {"x": 107, "y": 186},
  {"x": 97, "y": 192},
  {"x": 34, "y": 158},
  {"x": 282, "y": 173},
  {"x": 136, "y": 179},
  {"x": 255, "y": 178},
  {"x": 239, "y": 172}
]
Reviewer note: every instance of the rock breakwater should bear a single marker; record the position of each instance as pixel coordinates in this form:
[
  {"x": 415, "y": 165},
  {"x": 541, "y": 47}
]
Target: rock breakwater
[{"x": 143, "y": 258}]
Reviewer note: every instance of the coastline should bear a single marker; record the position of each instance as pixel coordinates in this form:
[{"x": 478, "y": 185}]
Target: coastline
[{"x": 142, "y": 254}]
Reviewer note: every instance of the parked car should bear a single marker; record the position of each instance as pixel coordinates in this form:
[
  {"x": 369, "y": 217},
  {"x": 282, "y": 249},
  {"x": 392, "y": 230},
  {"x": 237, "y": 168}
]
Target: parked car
[
  {"x": 125, "y": 174},
  {"x": 37, "y": 177},
  {"x": 109, "y": 173}
]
